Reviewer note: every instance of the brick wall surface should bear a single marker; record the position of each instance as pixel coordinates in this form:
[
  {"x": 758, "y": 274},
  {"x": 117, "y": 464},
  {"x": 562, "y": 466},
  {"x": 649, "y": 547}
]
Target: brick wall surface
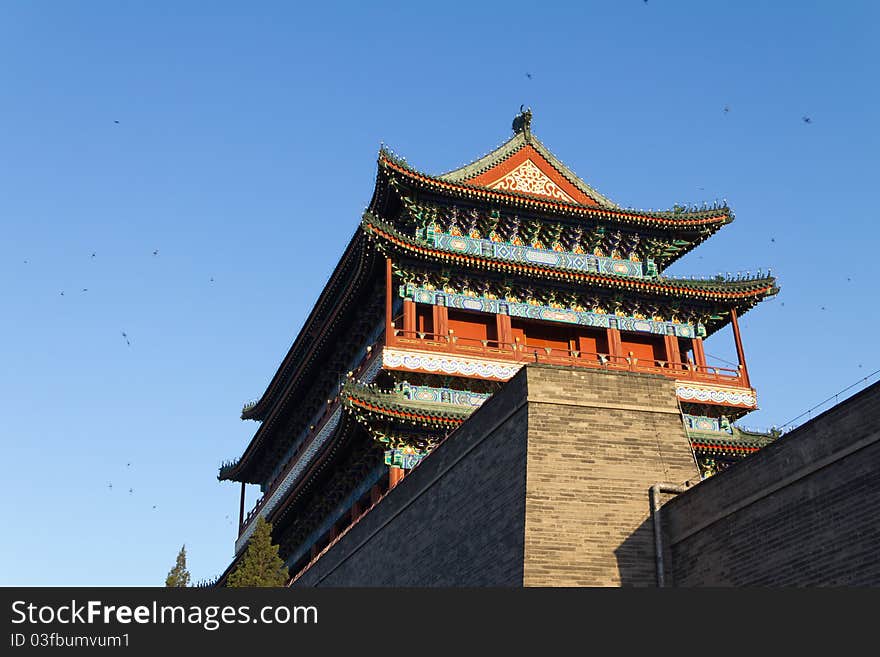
[
  {"x": 804, "y": 511},
  {"x": 545, "y": 485},
  {"x": 455, "y": 520},
  {"x": 597, "y": 442}
]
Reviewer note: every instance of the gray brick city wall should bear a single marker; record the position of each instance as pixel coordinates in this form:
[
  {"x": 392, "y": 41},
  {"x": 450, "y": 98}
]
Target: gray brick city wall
[{"x": 804, "y": 511}]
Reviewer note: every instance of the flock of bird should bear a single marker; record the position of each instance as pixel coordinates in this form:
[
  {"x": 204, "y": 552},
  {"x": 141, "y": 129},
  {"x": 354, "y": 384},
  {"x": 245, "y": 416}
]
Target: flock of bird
[
  {"x": 726, "y": 110},
  {"x": 125, "y": 337},
  {"x": 85, "y": 289},
  {"x": 130, "y": 490}
]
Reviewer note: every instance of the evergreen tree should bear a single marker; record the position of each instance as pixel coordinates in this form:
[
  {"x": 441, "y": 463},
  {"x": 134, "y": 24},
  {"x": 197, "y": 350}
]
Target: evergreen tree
[
  {"x": 179, "y": 575},
  {"x": 260, "y": 564}
]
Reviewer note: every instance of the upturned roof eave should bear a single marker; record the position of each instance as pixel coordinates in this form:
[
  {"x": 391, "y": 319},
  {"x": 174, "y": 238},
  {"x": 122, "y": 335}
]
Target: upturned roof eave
[
  {"x": 682, "y": 220},
  {"x": 262, "y": 410},
  {"x": 306, "y": 329},
  {"x": 395, "y": 406},
  {"x": 719, "y": 290},
  {"x": 736, "y": 439}
]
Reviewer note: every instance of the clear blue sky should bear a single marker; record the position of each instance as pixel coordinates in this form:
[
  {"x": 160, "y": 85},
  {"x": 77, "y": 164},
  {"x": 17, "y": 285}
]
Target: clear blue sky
[{"x": 240, "y": 140}]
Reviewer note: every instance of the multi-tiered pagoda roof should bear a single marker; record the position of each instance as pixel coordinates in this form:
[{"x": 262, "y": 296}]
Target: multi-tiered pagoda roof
[{"x": 449, "y": 284}]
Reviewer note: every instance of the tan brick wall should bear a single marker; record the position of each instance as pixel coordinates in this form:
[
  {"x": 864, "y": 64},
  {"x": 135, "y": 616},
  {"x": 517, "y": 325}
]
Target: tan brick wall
[
  {"x": 546, "y": 484},
  {"x": 597, "y": 442}
]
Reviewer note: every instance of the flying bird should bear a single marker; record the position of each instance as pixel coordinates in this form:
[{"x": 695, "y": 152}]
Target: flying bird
[
  {"x": 156, "y": 252},
  {"x": 110, "y": 486},
  {"x": 726, "y": 109},
  {"x": 806, "y": 119},
  {"x": 126, "y": 339},
  {"x": 93, "y": 254},
  {"x": 62, "y": 293},
  {"x": 85, "y": 289},
  {"x": 115, "y": 121},
  {"x": 529, "y": 76},
  {"x": 130, "y": 491}
]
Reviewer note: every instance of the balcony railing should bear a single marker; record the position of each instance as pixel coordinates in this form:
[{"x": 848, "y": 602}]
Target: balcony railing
[{"x": 524, "y": 352}]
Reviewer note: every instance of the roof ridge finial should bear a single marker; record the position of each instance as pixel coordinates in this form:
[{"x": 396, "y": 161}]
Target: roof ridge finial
[{"x": 522, "y": 122}]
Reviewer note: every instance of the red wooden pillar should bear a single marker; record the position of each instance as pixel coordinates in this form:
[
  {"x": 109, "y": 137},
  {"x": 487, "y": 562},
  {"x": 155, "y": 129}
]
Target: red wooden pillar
[
  {"x": 409, "y": 318},
  {"x": 395, "y": 474},
  {"x": 615, "y": 348},
  {"x": 673, "y": 354},
  {"x": 699, "y": 354},
  {"x": 441, "y": 321},
  {"x": 505, "y": 331},
  {"x": 389, "y": 331},
  {"x": 740, "y": 354}
]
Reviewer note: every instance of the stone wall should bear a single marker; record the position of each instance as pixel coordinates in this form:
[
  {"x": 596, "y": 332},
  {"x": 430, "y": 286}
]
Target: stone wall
[
  {"x": 545, "y": 485},
  {"x": 457, "y": 519},
  {"x": 597, "y": 442},
  {"x": 804, "y": 511}
]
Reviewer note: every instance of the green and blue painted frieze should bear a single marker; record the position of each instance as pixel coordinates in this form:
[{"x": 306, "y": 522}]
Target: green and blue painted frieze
[
  {"x": 404, "y": 457},
  {"x": 547, "y": 313},
  {"x": 443, "y": 395},
  {"x": 530, "y": 255}
]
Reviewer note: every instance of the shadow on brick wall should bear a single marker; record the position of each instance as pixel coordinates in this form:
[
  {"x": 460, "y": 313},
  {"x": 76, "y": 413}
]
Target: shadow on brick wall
[{"x": 635, "y": 558}]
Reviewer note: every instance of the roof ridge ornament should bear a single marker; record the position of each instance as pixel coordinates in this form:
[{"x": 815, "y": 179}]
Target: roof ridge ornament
[{"x": 522, "y": 122}]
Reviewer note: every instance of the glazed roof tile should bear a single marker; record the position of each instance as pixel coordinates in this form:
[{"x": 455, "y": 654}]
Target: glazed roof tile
[
  {"x": 740, "y": 441},
  {"x": 393, "y": 405}
]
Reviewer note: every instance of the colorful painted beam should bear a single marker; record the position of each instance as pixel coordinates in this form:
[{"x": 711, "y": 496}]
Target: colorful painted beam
[
  {"x": 538, "y": 256},
  {"x": 443, "y": 395},
  {"x": 404, "y": 457},
  {"x": 547, "y": 313}
]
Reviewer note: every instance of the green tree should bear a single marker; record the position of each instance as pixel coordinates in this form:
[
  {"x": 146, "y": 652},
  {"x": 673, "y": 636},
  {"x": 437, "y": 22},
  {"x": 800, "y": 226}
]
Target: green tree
[
  {"x": 179, "y": 575},
  {"x": 260, "y": 564}
]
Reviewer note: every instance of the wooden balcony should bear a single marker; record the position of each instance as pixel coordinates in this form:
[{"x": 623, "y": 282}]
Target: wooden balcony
[{"x": 523, "y": 352}]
